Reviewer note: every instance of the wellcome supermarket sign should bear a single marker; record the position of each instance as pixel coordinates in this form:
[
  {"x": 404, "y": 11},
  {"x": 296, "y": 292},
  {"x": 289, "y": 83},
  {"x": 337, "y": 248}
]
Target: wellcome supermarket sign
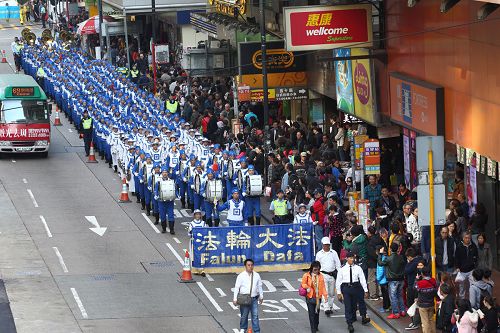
[{"x": 327, "y": 27}]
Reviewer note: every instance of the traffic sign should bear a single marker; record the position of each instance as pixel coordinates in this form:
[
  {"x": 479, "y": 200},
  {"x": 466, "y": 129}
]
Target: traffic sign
[
  {"x": 424, "y": 210},
  {"x": 426, "y": 143},
  {"x": 371, "y": 153}
]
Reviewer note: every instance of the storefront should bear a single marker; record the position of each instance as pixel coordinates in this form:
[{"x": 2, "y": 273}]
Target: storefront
[{"x": 427, "y": 45}]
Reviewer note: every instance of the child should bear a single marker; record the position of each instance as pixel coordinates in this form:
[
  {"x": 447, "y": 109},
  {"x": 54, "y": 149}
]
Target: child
[
  {"x": 303, "y": 216},
  {"x": 382, "y": 282},
  {"x": 197, "y": 222}
]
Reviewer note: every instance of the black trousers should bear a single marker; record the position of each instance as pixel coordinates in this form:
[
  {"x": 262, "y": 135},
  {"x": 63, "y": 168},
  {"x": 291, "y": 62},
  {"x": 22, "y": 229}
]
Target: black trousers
[
  {"x": 87, "y": 139},
  {"x": 353, "y": 296},
  {"x": 313, "y": 315},
  {"x": 386, "y": 301}
]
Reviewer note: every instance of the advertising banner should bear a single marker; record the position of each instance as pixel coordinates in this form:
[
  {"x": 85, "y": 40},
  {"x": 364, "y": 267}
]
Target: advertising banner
[
  {"x": 372, "y": 156},
  {"x": 343, "y": 81},
  {"x": 406, "y": 157},
  {"x": 416, "y": 104},
  {"x": 327, "y": 27},
  {"x": 272, "y": 247},
  {"x": 22, "y": 132},
  {"x": 364, "y": 101}
]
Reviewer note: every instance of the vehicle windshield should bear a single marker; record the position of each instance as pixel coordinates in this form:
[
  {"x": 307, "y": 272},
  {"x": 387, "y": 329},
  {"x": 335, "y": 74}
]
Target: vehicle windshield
[{"x": 20, "y": 111}]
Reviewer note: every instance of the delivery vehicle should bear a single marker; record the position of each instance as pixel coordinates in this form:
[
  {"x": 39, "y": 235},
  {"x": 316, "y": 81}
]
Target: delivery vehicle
[{"x": 24, "y": 116}]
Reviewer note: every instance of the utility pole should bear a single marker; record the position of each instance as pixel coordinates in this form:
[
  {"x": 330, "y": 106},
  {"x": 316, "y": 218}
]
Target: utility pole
[
  {"x": 101, "y": 41},
  {"x": 153, "y": 41},
  {"x": 263, "y": 48}
]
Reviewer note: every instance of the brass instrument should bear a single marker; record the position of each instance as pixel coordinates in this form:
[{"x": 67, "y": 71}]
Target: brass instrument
[{"x": 24, "y": 33}]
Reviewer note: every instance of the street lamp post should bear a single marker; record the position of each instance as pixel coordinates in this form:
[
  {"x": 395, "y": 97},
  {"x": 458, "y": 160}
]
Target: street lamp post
[
  {"x": 153, "y": 41},
  {"x": 263, "y": 47},
  {"x": 101, "y": 41}
]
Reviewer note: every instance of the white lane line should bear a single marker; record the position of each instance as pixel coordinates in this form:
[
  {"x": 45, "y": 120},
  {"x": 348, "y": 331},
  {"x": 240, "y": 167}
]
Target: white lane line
[
  {"x": 221, "y": 292},
  {"x": 25, "y": 181},
  {"x": 176, "y": 239},
  {"x": 178, "y": 214},
  {"x": 209, "y": 277},
  {"x": 249, "y": 319},
  {"x": 46, "y": 226},
  {"x": 287, "y": 285},
  {"x": 150, "y": 223},
  {"x": 185, "y": 213},
  {"x": 174, "y": 252},
  {"x": 32, "y": 198},
  {"x": 61, "y": 260},
  {"x": 210, "y": 298},
  {"x": 79, "y": 303},
  {"x": 13, "y": 161},
  {"x": 70, "y": 130}
]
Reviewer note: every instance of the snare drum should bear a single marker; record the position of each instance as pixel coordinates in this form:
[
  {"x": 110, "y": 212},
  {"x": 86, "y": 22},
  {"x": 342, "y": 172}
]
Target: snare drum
[
  {"x": 167, "y": 190},
  {"x": 214, "y": 189},
  {"x": 254, "y": 185}
]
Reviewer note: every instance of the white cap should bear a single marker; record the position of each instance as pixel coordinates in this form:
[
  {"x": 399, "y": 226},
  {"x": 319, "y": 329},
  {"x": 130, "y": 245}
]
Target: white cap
[{"x": 325, "y": 241}]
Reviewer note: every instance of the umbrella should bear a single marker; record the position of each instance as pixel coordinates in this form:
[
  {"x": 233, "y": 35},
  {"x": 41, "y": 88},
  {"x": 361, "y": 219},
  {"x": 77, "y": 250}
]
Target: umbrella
[{"x": 91, "y": 26}]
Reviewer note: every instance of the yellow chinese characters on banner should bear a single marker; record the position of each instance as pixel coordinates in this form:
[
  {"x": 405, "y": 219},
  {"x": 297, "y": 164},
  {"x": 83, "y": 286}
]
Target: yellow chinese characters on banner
[{"x": 364, "y": 101}]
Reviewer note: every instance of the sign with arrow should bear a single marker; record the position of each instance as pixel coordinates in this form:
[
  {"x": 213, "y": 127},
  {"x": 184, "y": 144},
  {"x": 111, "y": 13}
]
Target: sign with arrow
[
  {"x": 291, "y": 93},
  {"x": 97, "y": 228}
]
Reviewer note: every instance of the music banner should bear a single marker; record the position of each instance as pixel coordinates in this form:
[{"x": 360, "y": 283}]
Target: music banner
[{"x": 272, "y": 247}]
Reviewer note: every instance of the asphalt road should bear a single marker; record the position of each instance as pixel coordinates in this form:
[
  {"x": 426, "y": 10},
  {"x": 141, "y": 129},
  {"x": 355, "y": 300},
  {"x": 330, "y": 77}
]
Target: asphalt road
[{"x": 61, "y": 276}]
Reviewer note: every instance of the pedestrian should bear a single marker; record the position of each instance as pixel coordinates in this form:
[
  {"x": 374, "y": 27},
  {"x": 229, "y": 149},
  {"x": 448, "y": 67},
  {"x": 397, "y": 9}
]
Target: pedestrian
[
  {"x": 374, "y": 241},
  {"x": 330, "y": 264},
  {"x": 485, "y": 256},
  {"x": 413, "y": 269},
  {"x": 479, "y": 289},
  {"x": 350, "y": 285},
  {"x": 43, "y": 14},
  {"x": 86, "y": 130},
  {"x": 445, "y": 309},
  {"x": 465, "y": 261},
  {"x": 465, "y": 318},
  {"x": 197, "y": 222},
  {"x": 445, "y": 252},
  {"x": 426, "y": 289},
  {"x": 382, "y": 282},
  {"x": 314, "y": 283},
  {"x": 395, "y": 264},
  {"x": 248, "y": 294},
  {"x": 489, "y": 316}
]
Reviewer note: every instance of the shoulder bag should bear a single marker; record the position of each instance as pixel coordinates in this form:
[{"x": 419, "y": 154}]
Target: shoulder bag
[{"x": 245, "y": 299}]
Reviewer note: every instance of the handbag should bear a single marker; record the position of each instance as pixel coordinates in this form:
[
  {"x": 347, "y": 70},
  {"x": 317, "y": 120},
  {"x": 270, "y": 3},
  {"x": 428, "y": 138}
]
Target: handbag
[
  {"x": 302, "y": 291},
  {"x": 245, "y": 299},
  {"x": 412, "y": 309}
]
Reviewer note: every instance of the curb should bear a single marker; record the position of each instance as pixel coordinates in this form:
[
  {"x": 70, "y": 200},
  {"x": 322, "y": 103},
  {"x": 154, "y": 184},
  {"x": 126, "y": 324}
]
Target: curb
[{"x": 381, "y": 316}]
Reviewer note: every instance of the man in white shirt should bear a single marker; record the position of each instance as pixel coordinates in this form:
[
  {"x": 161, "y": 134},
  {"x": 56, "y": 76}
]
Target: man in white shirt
[
  {"x": 350, "y": 285},
  {"x": 330, "y": 264},
  {"x": 249, "y": 282}
]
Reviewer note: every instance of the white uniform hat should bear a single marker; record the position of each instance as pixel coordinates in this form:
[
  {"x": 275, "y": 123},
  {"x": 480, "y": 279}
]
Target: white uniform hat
[{"x": 325, "y": 241}]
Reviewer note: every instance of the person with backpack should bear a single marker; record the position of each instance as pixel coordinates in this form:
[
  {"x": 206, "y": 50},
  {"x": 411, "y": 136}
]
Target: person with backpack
[{"x": 479, "y": 289}]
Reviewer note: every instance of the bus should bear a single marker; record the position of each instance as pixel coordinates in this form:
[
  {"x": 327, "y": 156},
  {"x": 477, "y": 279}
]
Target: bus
[{"x": 24, "y": 116}]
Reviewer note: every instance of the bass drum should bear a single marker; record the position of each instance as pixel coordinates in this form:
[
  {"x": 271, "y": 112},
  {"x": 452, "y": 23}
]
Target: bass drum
[
  {"x": 254, "y": 186},
  {"x": 230, "y": 169},
  {"x": 167, "y": 190},
  {"x": 197, "y": 183},
  {"x": 214, "y": 190}
]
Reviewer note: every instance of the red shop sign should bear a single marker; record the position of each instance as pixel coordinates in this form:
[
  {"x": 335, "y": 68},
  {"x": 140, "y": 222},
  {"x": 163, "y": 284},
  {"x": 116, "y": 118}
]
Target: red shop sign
[{"x": 327, "y": 27}]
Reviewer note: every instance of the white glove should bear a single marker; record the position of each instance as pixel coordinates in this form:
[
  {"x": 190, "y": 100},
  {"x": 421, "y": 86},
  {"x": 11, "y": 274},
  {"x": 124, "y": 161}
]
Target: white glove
[
  {"x": 244, "y": 194},
  {"x": 150, "y": 188},
  {"x": 136, "y": 174},
  {"x": 157, "y": 197},
  {"x": 235, "y": 182},
  {"x": 184, "y": 179},
  {"x": 192, "y": 187}
]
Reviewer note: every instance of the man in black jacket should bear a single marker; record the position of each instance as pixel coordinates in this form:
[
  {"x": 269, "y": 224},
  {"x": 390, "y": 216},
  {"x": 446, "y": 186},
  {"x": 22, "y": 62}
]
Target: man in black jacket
[
  {"x": 465, "y": 262},
  {"x": 445, "y": 252},
  {"x": 374, "y": 240}
]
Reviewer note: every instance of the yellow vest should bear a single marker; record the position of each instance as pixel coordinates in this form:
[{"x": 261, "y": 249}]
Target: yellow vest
[
  {"x": 172, "y": 107},
  {"x": 280, "y": 207},
  {"x": 40, "y": 72},
  {"x": 134, "y": 73},
  {"x": 87, "y": 123}
]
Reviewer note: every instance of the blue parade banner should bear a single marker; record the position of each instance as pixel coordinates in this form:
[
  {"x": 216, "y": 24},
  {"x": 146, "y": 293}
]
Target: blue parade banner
[
  {"x": 9, "y": 12},
  {"x": 272, "y": 247}
]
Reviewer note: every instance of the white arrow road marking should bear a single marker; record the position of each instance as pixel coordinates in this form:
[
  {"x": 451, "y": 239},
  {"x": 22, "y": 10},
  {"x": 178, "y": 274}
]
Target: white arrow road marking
[
  {"x": 287, "y": 285},
  {"x": 150, "y": 223},
  {"x": 178, "y": 214},
  {"x": 25, "y": 181},
  {"x": 49, "y": 234},
  {"x": 174, "y": 252},
  {"x": 61, "y": 260},
  {"x": 176, "y": 239},
  {"x": 221, "y": 292},
  {"x": 185, "y": 213},
  {"x": 209, "y": 277},
  {"x": 79, "y": 303},
  {"x": 210, "y": 298},
  {"x": 32, "y": 198},
  {"x": 97, "y": 228}
]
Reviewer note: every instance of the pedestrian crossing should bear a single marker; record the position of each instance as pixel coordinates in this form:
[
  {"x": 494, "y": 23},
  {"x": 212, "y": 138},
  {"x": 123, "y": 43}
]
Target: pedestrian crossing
[{"x": 7, "y": 26}]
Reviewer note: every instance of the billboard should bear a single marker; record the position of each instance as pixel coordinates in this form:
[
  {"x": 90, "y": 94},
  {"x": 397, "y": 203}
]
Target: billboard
[
  {"x": 364, "y": 99},
  {"x": 343, "y": 81},
  {"x": 284, "y": 68},
  {"x": 416, "y": 104},
  {"x": 327, "y": 27}
]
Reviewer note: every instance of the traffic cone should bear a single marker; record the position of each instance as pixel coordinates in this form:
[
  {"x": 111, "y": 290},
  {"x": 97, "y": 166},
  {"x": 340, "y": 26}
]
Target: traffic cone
[
  {"x": 186, "y": 276},
  {"x": 57, "y": 120},
  {"x": 4, "y": 57},
  {"x": 124, "y": 194},
  {"x": 92, "y": 154},
  {"x": 249, "y": 329}
]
